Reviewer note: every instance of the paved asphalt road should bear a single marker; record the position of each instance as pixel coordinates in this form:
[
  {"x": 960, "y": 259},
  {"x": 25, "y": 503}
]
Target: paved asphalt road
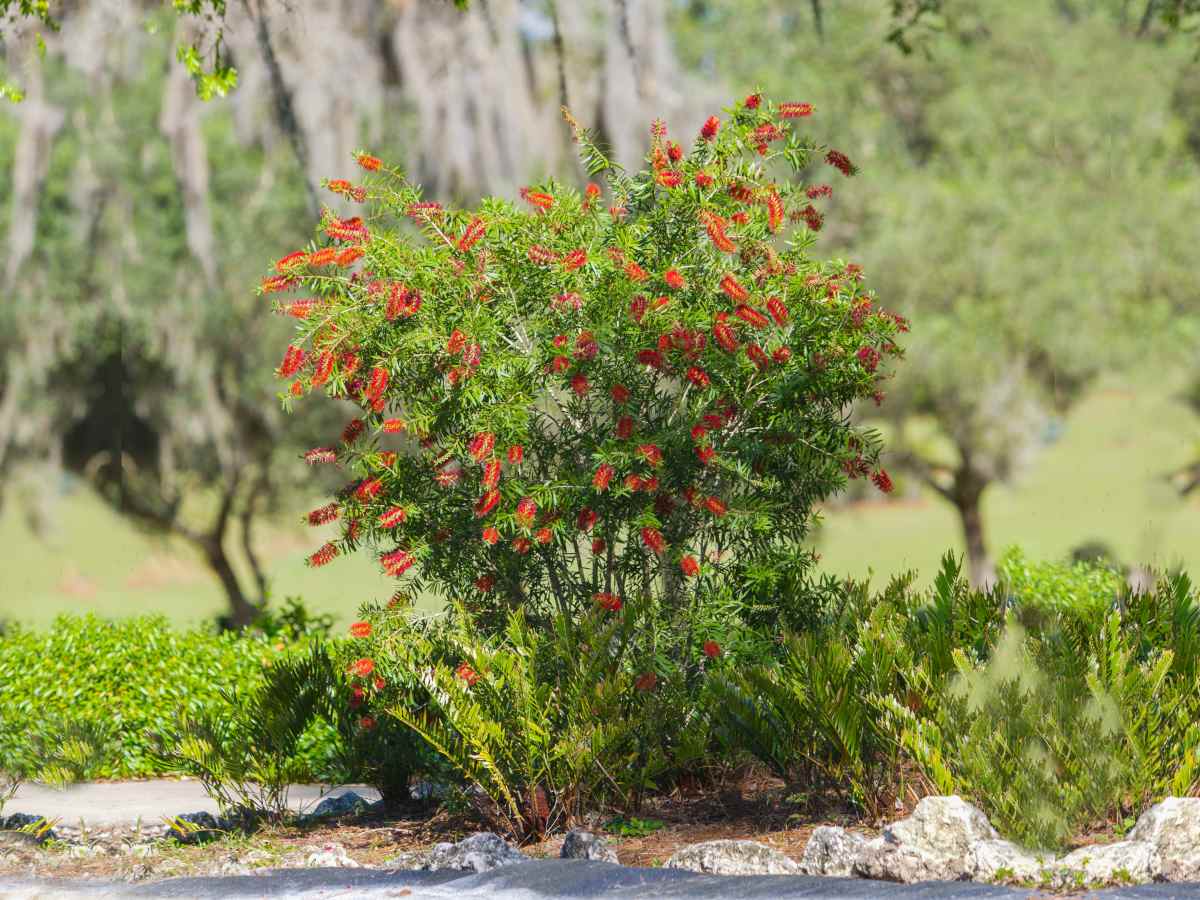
[{"x": 545, "y": 879}]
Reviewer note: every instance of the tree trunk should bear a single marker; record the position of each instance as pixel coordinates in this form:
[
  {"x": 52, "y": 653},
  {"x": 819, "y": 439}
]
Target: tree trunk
[
  {"x": 966, "y": 496},
  {"x": 241, "y": 611}
]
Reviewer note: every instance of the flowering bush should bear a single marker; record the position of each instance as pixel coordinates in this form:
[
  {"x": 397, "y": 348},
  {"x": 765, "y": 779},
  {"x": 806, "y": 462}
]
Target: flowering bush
[{"x": 579, "y": 400}]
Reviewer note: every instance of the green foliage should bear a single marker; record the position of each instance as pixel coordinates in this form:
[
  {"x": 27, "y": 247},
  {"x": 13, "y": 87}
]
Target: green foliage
[
  {"x": 600, "y": 397},
  {"x": 119, "y": 680},
  {"x": 633, "y": 827},
  {"x": 1086, "y": 588}
]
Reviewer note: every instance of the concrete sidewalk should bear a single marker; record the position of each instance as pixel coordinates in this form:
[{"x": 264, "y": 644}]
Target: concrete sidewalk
[{"x": 106, "y": 804}]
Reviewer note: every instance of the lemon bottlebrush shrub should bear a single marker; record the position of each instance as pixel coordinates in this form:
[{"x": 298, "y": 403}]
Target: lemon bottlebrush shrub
[{"x": 578, "y": 398}]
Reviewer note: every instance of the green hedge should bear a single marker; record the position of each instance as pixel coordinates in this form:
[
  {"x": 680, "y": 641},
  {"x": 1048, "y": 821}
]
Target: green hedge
[{"x": 125, "y": 678}]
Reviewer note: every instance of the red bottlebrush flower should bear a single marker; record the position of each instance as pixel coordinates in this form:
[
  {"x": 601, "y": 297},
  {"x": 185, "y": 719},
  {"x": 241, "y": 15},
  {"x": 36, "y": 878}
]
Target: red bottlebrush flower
[
  {"x": 698, "y": 433},
  {"x": 586, "y": 519},
  {"x": 715, "y": 226},
  {"x": 293, "y": 359},
  {"x": 781, "y": 355},
  {"x": 674, "y": 151},
  {"x": 883, "y": 481},
  {"x": 651, "y": 358},
  {"x": 481, "y": 445},
  {"x": 399, "y": 303},
  {"x": 740, "y": 218},
  {"x": 368, "y": 489},
  {"x": 634, "y": 271},
  {"x": 516, "y": 453},
  {"x": 724, "y": 336},
  {"x": 715, "y": 506},
  {"x": 669, "y": 178},
  {"x": 456, "y": 342},
  {"x": 602, "y": 478},
  {"x": 475, "y": 230},
  {"x": 778, "y": 311},
  {"x": 653, "y": 540},
  {"x": 467, "y": 674},
  {"x": 646, "y": 682},
  {"x": 768, "y": 133},
  {"x": 713, "y": 422},
  {"x": 394, "y": 426},
  {"x": 633, "y": 482},
  {"x": 378, "y": 384},
  {"x": 522, "y": 545},
  {"x": 752, "y": 101},
  {"x": 526, "y": 510},
  {"x": 795, "y": 110},
  {"x": 705, "y": 454},
  {"x": 812, "y": 217},
  {"x": 362, "y": 668},
  {"x": 485, "y": 583},
  {"x": 395, "y": 516},
  {"x": 841, "y": 162},
  {"x": 599, "y": 546},
  {"x": 370, "y": 163},
  {"x": 590, "y": 194},
  {"x": 559, "y": 364},
  {"x": 617, "y": 212},
  {"x": 637, "y": 308},
  {"x": 487, "y": 503},
  {"x": 869, "y": 357},
  {"x": 322, "y": 257},
  {"x": 733, "y": 288},
  {"x": 757, "y": 356},
  {"x": 743, "y": 193},
  {"x": 320, "y": 455},
  {"x": 491, "y": 473},
  {"x": 625, "y": 427},
  {"x": 698, "y": 377},
  {"x": 544, "y": 536},
  {"x": 712, "y": 649},
  {"x": 339, "y": 186},
  {"x": 620, "y": 394},
  {"x": 559, "y": 341},
  {"x": 424, "y": 212},
  {"x": 353, "y": 431},
  {"x": 703, "y": 179},
  {"x": 537, "y": 199},
  {"x": 543, "y": 256},
  {"x": 690, "y": 567},
  {"x": 323, "y": 556},
  {"x": 292, "y": 261},
  {"x": 491, "y": 535},
  {"x": 366, "y": 723},
  {"x": 708, "y": 130},
  {"x": 323, "y": 514},
  {"x": 277, "y": 283},
  {"x": 397, "y": 562},
  {"x": 586, "y": 347},
  {"x": 388, "y": 458},
  {"x": 575, "y": 259},
  {"x": 568, "y": 300},
  {"x": 379, "y": 684},
  {"x": 774, "y": 210},
  {"x": 751, "y": 316},
  {"x": 609, "y": 602},
  {"x": 819, "y": 190},
  {"x": 360, "y": 629},
  {"x": 650, "y": 485},
  {"x": 580, "y": 385},
  {"x": 674, "y": 280},
  {"x": 348, "y": 256},
  {"x": 347, "y": 229}
]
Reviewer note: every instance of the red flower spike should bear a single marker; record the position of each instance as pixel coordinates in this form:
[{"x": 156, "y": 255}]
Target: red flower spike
[
  {"x": 293, "y": 359},
  {"x": 757, "y": 356},
  {"x": 491, "y": 535},
  {"x": 516, "y": 453},
  {"x": 322, "y": 257},
  {"x": 370, "y": 163},
  {"x": 624, "y": 427},
  {"x": 651, "y": 358},
  {"x": 394, "y": 517},
  {"x": 467, "y": 674},
  {"x": 291, "y": 261},
  {"x": 324, "y": 368},
  {"x": 609, "y": 602},
  {"x": 397, "y": 562},
  {"x": 674, "y": 280},
  {"x": 869, "y": 357},
  {"x": 602, "y": 478},
  {"x": 559, "y": 364},
  {"x": 774, "y": 211},
  {"x": 651, "y": 454},
  {"x": 778, "y": 311},
  {"x": 526, "y": 510},
  {"x": 715, "y": 506},
  {"x": 491, "y": 473},
  {"x": 522, "y": 545},
  {"x": 543, "y": 256},
  {"x": 486, "y": 503},
  {"x": 586, "y": 519},
  {"x": 698, "y": 433},
  {"x": 620, "y": 394},
  {"x": 580, "y": 385},
  {"x": 481, "y": 445},
  {"x": 703, "y": 179},
  {"x": 715, "y": 226},
  {"x": 841, "y": 162},
  {"x": 362, "y": 668},
  {"x": 698, "y": 377},
  {"x": 575, "y": 259},
  {"x": 323, "y": 556},
  {"x": 544, "y": 536},
  {"x": 378, "y": 384},
  {"x": 635, "y": 272},
  {"x": 709, "y": 130},
  {"x": 733, "y": 288},
  {"x": 637, "y": 308},
  {"x": 471, "y": 235},
  {"x": 653, "y": 540},
  {"x": 752, "y": 101},
  {"x": 883, "y": 481},
  {"x": 819, "y": 190},
  {"x": 485, "y": 583},
  {"x": 368, "y": 489},
  {"x": 339, "y": 186},
  {"x": 353, "y": 431},
  {"x": 690, "y": 567},
  {"x": 320, "y": 455},
  {"x": 323, "y": 514},
  {"x": 633, "y": 483},
  {"x": 795, "y": 110},
  {"x": 599, "y": 546},
  {"x": 536, "y": 199},
  {"x": 751, "y": 316},
  {"x": 740, "y": 218},
  {"x": 712, "y": 649},
  {"x": 705, "y": 454},
  {"x": 567, "y": 301},
  {"x": 724, "y": 336},
  {"x": 674, "y": 151},
  {"x": 277, "y": 283},
  {"x": 781, "y": 355},
  {"x": 349, "y": 256},
  {"x": 394, "y": 426},
  {"x": 360, "y": 629},
  {"x": 590, "y": 195},
  {"x": 669, "y": 178},
  {"x": 812, "y": 218}
]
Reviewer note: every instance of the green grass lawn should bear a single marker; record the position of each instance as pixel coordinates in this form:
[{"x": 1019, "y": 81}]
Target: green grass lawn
[{"x": 1101, "y": 480}]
